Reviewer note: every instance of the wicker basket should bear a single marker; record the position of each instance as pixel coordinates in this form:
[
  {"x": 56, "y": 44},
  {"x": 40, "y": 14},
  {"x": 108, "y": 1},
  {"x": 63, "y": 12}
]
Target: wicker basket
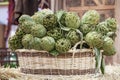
[{"x": 42, "y": 63}]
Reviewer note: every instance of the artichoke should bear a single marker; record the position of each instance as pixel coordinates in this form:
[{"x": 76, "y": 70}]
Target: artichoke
[
  {"x": 27, "y": 41},
  {"x": 36, "y": 43},
  {"x": 63, "y": 45},
  {"x": 50, "y": 21},
  {"x": 55, "y": 33},
  {"x": 91, "y": 17},
  {"x": 108, "y": 47},
  {"x": 38, "y": 31},
  {"x": 38, "y": 16},
  {"x": 24, "y": 18},
  {"x": 85, "y": 28},
  {"x": 48, "y": 43},
  {"x": 102, "y": 28},
  {"x": 112, "y": 24},
  {"x": 94, "y": 39},
  {"x": 20, "y": 33},
  {"x": 26, "y": 26},
  {"x": 70, "y": 20},
  {"x": 15, "y": 43},
  {"x": 73, "y": 36}
]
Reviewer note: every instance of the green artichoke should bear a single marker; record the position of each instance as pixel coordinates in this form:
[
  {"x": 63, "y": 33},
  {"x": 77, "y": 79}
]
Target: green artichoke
[
  {"x": 36, "y": 43},
  {"x": 70, "y": 20},
  {"x": 27, "y": 41},
  {"x": 73, "y": 36},
  {"x": 50, "y": 21},
  {"x": 26, "y": 26},
  {"x": 86, "y": 28},
  {"x": 24, "y": 18},
  {"x": 38, "y": 30},
  {"x": 14, "y": 43},
  {"x": 20, "y": 33},
  {"x": 112, "y": 24},
  {"x": 91, "y": 17},
  {"x": 55, "y": 33},
  {"x": 47, "y": 43},
  {"x": 63, "y": 45},
  {"x": 102, "y": 28},
  {"x": 38, "y": 16},
  {"x": 108, "y": 47},
  {"x": 94, "y": 39}
]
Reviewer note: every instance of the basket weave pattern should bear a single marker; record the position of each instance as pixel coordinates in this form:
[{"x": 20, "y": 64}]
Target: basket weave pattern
[{"x": 41, "y": 62}]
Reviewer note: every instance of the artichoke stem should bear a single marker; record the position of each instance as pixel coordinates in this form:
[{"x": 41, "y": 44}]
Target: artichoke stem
[{"x": 81, "y": 35}]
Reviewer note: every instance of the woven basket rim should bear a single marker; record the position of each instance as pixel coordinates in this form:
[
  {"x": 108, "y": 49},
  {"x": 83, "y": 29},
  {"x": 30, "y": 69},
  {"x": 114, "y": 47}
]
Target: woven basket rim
[{"x": 43, "y": 51}]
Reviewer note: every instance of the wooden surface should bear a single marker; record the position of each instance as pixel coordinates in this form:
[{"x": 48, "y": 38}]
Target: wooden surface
[
  {"x": 2, "y": 42},
  {"x": 116, "y": 58},
  {"x": 106, "y": 8}
]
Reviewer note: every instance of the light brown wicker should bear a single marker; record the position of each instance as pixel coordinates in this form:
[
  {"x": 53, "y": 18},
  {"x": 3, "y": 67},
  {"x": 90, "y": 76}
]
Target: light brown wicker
[{"x": 41, "y": 62}]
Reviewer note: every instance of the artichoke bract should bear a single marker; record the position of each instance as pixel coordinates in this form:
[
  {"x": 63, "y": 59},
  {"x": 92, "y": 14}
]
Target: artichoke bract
[
  {"x": 38, "y": 30},
  {"x": 73, "y": 36},
  {"x": 38, "y": 16},
  {"x": 85, "y": 28},
  {"x": 46, "y": 11},
  {"x": 20, "y": 33},
  {"x": 47, "y": 43},
  {"x": 91, "y": 17},
  {"x": 27, "y": 41},
  {"x": 55, "y": 33},
  {"x": 112, "y": 35},
  {"x": 112, "y": 24},
  {"x": 50, "y": 21},
  {"x": 63, "y": 45},
  {"x": 108, "y": 47},
  {"x": 94, "y": 39},
  {"x": 70, "y": 20},
  {"x": 15, "y": 43},
  {"x": 26, "y": 26},
  {"x": 102, "y": 28},
  {"x": 35, "y": 43},
  {"x": 24, "y": 18}
]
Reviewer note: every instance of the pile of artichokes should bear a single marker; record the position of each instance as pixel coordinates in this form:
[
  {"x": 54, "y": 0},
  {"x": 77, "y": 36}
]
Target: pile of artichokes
[{"x": 58, "y": 32}]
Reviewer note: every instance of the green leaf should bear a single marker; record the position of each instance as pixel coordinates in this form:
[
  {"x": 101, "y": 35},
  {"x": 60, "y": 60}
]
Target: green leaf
[
  {"x": 54, "y": 52},
  {"x": 59, "y": 14},
  {"x": 102, "y": 67},
  {"x": 98, "y": 58},
  {"x": 65, "y": 28}
]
